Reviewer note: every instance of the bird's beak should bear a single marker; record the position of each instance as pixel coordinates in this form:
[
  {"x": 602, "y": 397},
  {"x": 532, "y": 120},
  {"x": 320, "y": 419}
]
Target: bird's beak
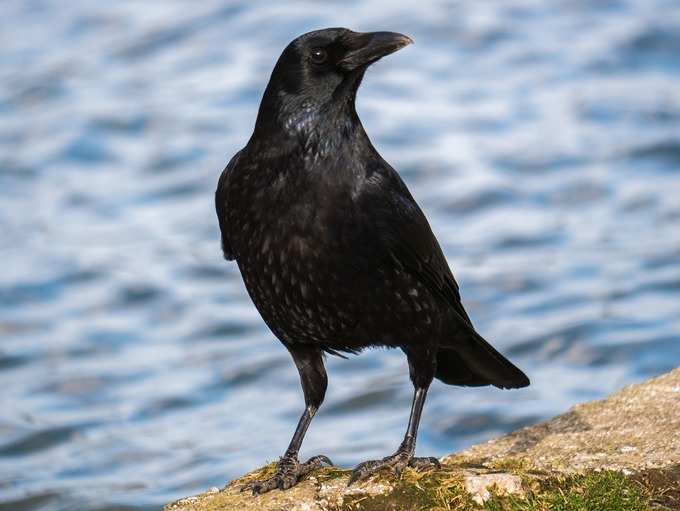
[{"x": 368, "y": 47}]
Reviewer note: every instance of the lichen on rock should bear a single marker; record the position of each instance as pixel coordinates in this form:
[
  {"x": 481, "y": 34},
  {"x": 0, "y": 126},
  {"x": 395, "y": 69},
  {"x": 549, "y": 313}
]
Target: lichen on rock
[{"x": 621, "y": 453}]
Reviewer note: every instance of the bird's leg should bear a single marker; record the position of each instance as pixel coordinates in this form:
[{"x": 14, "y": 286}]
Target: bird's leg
[
  {"x": 314, "y": 383},
  {"x": 405, "y": 454},
  {"x": 422, "y": 374}
]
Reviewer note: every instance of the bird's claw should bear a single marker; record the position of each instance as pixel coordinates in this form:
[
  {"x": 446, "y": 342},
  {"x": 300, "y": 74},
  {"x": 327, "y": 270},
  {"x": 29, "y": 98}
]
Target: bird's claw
[
  {"x": 364, "y": 470},
  {"x": 426, "y": 463},
  {"x": 288, "y": 472},
  {"x": 396, "y": 463},
  {"x": 317, "y": 462}
]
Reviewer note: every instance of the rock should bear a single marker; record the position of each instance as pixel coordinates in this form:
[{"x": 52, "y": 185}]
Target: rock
[
  {"x": 636, "y": 428},
  {"x": 619, "y": 453},
  {"x": 479, "y": 486}
]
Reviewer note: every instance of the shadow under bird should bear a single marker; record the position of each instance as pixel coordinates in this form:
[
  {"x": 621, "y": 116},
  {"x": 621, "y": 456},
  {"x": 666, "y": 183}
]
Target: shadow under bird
[{"x": 333, "y": 249}]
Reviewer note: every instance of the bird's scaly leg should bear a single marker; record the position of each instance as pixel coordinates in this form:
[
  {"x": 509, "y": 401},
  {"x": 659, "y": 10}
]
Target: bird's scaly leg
[
  {"x": 404, "y": 456},
  {"x": 421, "y": 369},
  {"x": 314, "y": 383},
  {"x": 289, "y": 469}
]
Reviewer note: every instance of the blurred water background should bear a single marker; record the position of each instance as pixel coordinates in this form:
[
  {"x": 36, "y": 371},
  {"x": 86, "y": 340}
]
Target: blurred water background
[{"x": 541, "y": 138}]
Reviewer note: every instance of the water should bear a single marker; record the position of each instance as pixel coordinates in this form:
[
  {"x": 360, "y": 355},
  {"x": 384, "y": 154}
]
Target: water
[{"x": 541, "y": 138}]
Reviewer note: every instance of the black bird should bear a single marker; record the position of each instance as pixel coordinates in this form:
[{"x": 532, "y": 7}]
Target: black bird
[{"x": 333, "y": 249}]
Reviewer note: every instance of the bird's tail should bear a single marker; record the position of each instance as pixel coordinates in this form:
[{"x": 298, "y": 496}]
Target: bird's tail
[{"x": 469, "y": 360}]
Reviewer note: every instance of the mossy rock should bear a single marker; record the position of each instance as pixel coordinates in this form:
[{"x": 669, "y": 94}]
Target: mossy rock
[
  {"x": 622, "y": 453},
  {"x": 456, "y": 488}
]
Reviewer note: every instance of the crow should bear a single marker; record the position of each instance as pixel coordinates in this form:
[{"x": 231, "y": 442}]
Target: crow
[{"x": 334, "y": 251}]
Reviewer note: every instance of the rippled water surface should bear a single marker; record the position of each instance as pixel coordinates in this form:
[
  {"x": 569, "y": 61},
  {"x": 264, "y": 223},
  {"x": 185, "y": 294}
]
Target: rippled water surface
[{"x": 541, "y": 138}]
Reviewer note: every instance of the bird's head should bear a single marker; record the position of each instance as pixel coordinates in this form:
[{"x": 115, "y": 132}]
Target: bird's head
[{"x": 322, "y": 70}]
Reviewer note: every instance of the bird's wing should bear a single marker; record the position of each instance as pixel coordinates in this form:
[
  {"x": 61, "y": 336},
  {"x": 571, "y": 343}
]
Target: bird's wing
[
  {"x": 222, "y": 206},
  {"x": 405, "y": 236}
]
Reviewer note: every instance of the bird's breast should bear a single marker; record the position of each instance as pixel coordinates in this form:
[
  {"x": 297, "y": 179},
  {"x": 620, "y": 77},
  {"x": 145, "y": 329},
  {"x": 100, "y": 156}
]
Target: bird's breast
[
  {"x": 297, "y": 281},
  {"x": 293, "y": 241},
  {"x": 314, "y": 269}
]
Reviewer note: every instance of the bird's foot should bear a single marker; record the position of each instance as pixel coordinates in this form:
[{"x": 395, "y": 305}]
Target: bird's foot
[
  {"x": 288, "y": 472},
  {"x": 397, "y": 462}
]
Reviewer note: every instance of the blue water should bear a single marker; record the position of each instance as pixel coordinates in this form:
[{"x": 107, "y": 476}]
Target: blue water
[{"x": 541, "y": 138}]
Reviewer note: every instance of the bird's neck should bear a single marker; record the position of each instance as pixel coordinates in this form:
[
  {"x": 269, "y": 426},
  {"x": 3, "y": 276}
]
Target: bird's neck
[{"x": 298, "y": 123}]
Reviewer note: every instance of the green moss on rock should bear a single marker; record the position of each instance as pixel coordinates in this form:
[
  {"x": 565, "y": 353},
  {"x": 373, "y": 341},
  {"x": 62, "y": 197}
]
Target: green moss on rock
[
  {"x": 622, "y": 453},
  {"x": 597, "y": 491},
  {"x": 416, "y": 491}
]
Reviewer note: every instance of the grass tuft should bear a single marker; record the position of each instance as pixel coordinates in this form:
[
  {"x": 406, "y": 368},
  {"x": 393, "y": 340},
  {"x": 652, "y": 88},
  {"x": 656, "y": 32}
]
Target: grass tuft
[{"x": 596, "y": 491}]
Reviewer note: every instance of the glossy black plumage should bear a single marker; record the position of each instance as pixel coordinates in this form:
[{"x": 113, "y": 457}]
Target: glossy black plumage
[{"x": 334, "y": 251}]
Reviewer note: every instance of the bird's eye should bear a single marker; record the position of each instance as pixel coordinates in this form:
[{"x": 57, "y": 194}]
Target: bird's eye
[{"x": 319, "y": 55}]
